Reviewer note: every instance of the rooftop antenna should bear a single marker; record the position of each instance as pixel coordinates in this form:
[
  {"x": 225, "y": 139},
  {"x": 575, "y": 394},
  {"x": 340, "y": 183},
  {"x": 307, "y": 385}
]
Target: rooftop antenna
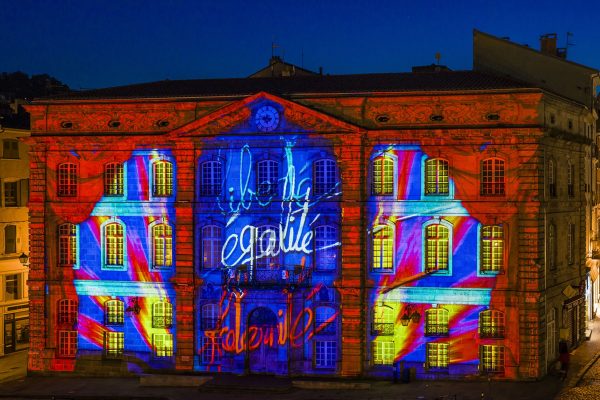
[
  {"x": 273, "y": 46},
  {"x": 302, "y": 57},
  {"x": 438, "y": 57},
  {"x": 569, "y": 43}
]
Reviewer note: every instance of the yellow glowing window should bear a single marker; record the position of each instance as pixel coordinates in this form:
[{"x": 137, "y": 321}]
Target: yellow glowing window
[
  {"x": 67, "y": 245},
  {"x": 162, "y": 314},
  {"x": 492, "y": 248},
  {"x": 383, "y": 176},
  {"x": 114, "y": 343},
  {"x": 491, "y": 358},
  {"x": 383, "y": 321},
  {"x": 113, "y": 234},
  {"x": 162, "y": 236},
  {"x": 436, "y": 248},
  {"x": 383, "y": 248},
  {"x": 491, "y": 324},
  {"x": 383, "y": 353},
  {"x": 436, "y": 176},
  {"x": 113, "y": 179},
  {"x": 436, "y": 322},
  {"x": 163, "y": 344},
  {"x": 115, "y": 312},
  {"x": 163, "y": 179},
  {"x": 67, "y": 343},
  {"x": 437, "y": 355}
]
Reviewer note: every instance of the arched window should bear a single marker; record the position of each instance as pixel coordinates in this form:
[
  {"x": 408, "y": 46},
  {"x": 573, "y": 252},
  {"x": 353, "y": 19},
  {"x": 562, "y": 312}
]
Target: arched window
[
  {"x": 325, "y": 320},
  {"x": 268, "y": 247},
  {"x": 326, "y": 247},
  {"x": 211, "y": 246},
  {"x": 492, "y": 248},
  {"x": 571, "y": 180},
  {"x": 67, "y": 311},
  {"x": 67, "y": 180},
  {"x": 210, "y": 316},
  {"x": 571, "y": 243},
  {"x": 437, "y": 248},
  {"x": 67, "y": 245},
  {"x": 114, "y": 181},
  {"x": 436, "y": 177},
  {"x": 436, "y": 322},
  {"x": 212, "y": 178},
  {"x": 113, "y": 245},
  {"x": 162, "y": 241},
  {"x": 383, "y": 321},
  {"x": 325, "y": 178},
  {"x": 551, "y": 178},
  {"x": 162, "y": 178},
  {"x": 491, "y": 324},
  {"x": 492, "y": 177},
  {"x": 115, "y": 312},
  {"x": 383, "y": 248},
  {"x": 267, "y": 177},
  {"x": 552, "y": 246},
  {"x": 162, "y": 314},
  {"x": 383, "y": 176}
]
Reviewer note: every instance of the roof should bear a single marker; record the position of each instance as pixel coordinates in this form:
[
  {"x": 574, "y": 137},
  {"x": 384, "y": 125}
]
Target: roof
[{"x": 383, "y": 82}]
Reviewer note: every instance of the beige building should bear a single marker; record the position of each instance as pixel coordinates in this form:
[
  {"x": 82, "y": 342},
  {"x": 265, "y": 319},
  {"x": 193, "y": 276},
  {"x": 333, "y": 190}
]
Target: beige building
[{"x": 14, "y": 240}]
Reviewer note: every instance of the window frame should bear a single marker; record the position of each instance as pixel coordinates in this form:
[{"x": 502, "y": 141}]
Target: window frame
[
  {"x": 120, "y": 248},
  {"x": 438, "y": 161},
  {"x": 167, "y": 350},
  {"x": 382, "y": 186},
  {"x": 69, "y": 242},
  {"x": 324, "y": 176},
  {"x": 437, "y": 322},
  {"x": 426, "y": 243},
  {"x": 551, "y": 178},
  {"x": 325, "y": 354},
  {"x": 269, "y": 169},
  {"x": 492, "y": 324},
  {"x": 320, "y": 318},
  {"x": 67, "y": 312},
  {"x": 67, "y": 179},
  {"x": 116, "y": 188},
  {"x": 166, "y": 248},
  {"x": 215, "y": 244},
  {"x": 11, "y": 194},
  {"x": 16, "y": 289},
  {"x": 209, "y": 317},
  {"x": 383, "y": 320},
  {"x": 214, "y": 169},
  {"x": 116, "y": 352},
  {"x": 552, "y": 261},
  {"x": 493, "y": 366},
  {"x": 383, "y": 352},
  {"x": 571, "y": 243},
  {"x": 114, "y": 312},
  {"x": 437, "y": 356},
  {"x": 571, "y": 180},
  {"x": 163, "y": 186},
  {"x": 326, "y": 245},
  {"x": 379, "y": 248},
  {"x": 67, "y": 343},
  {"x": 493, "y": 177},
  {"x": 487, "y": 244},
  {"x": 270, "y": 261},
  {"x": 162, "y": 314},
  {"x": 10, "y": 239},
  {"x": 211, "y": 350},
  {"x": 11, "y": 153}
]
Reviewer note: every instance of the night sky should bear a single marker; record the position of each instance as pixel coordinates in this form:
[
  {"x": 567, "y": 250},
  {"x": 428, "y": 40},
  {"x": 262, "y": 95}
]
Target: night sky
[{"x": 92, "y": 44}]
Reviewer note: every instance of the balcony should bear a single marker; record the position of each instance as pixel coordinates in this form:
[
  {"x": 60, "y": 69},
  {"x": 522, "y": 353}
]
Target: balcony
[
  {"x": 436, "y": 330},
  {"x": 492, "y": 332},
  {"x": 272, "y": 277},
  {"x": 162, "y": 322},
  {"x": 382, "y": 329}
]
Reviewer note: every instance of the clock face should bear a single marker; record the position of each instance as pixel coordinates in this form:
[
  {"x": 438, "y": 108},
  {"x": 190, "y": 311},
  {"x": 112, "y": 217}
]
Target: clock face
[{"x": 266, "y": 118}]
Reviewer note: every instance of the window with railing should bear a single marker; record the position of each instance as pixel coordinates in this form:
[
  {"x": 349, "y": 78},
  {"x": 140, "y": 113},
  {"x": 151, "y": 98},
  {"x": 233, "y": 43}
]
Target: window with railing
[
  {"x": 267, "y": 177},
  {"x": 210, "y": 317},
  {"x": 383, "y": 352},
  {"x": 67, "y": 312},
  {"x": 436, "y": 322},
  {"x": 325, "y": 177},
  {"x": 162, "y": 314},
  {"x": 162, "y": 178},
  {"x": 383, "y": 321},
  {"x": 67, "y": 343},
  {"x": 114, "y": 181},
  {"x": 211, "y": 246},
  {"x": 325, "y": 320},
  {"x": 491, "y": 324},
  {"x": 383, "y": 176},
  {"x": 491, "y": 358},
  {"x": 67, "y": 245},
  {"x": 211, "y": 178},
  {"x": 67, "y": 180},
  {"x": 383, "y": 248},
  {"x": 162, "y": 344},
  {"x": 492, "y": 177},
  {"x": 114, "y": 344},
  {"x": 436, "y": 177},
  {"x": 437, "y": 355},
  {"x": 437, "y": 248},
  {"x": 162, "y": 240},
  {"x": 492, "y": 248},
  {"x": 114, "y": 312},
  {"x": 326, "y": 247},
  {"x": 267, "y": 247}
]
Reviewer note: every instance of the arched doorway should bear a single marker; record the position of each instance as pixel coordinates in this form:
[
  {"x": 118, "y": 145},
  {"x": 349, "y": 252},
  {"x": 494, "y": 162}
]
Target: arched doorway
[{"x": 262, "y": 350}]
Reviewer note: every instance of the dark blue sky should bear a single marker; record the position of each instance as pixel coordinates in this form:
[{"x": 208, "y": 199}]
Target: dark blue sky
[{"x": 90, "y": 44}]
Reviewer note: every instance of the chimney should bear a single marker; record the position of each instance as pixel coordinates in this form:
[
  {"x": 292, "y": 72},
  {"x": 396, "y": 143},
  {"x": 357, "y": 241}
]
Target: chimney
[{"x": 548, "y": 44}]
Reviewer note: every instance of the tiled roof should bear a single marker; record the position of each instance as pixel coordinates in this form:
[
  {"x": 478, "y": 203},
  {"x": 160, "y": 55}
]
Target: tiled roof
[{"x": 385, "y": 82}]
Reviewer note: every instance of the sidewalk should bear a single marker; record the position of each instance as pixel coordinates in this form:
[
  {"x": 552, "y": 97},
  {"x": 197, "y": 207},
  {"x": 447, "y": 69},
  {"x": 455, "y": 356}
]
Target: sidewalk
[{"x": 13, "y": 366}]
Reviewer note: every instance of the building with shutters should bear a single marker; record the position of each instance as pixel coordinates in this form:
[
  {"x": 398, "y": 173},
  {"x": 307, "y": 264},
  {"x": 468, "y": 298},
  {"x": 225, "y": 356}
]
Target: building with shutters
[{"x": 303, "y": 225}]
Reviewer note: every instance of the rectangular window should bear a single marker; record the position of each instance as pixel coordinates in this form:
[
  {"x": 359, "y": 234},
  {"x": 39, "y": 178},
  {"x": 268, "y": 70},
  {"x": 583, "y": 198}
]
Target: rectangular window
[
  {"x": 383, "y": 176},
  {"x": 10, "y": 194},
  {"x": 571, "y": 243},
  {"x": 268, "y": 177},
  {"x": 67, "y": 343},
  {"x": 211, "y": 246},
  {"x": 114, "y": 179},
  {"x": 211, "y": 350},
  {"x": 163, "y": 246},
  {"x": 436, "y": 177},
  {"x": 67, "y": 245},
  {"x": 383, "y": 353},
  {"x": 436, "y": 322},
  {"x": 115, "y": 312},
  {"x": 326, "y": 247},
  {"x": 163, "y": 345},
  {"x": 383, "y": 248},
  {"x": 10, "y": 148},
  {"x": 10, "y": 239},
  {"x": 491, "y": 358},
  {"x": 212, "y": 178},
  {"x": 492, "y": 248},
  {"x": 13, "y": 289},
  {"x": 491, "y": 324},
  {"x": 114, "y": 343},
  {"x": 163, "y": 179},
  {"x": 67, "y": 180},
  {"x": 437, "y": 355},
  {"x": 324, "y": 177},
  {"x": 325, "y": 353},
  {"x": 492, "y": 177},
  {"x": 67, "y": 312},
  {"x": 571, "y": 180},
  {"x": 437, "y": 248}
]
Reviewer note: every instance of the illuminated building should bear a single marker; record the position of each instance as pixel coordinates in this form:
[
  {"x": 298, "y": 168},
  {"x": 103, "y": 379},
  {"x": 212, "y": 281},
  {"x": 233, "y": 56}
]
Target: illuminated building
[{"x": 306, "y": 225}]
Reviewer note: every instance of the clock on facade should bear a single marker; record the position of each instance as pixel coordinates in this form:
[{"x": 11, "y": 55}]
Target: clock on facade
[{"x": 266, "y": 118}]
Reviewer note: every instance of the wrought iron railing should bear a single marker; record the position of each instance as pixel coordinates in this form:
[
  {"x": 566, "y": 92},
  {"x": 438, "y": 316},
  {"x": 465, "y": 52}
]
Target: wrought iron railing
[
  {"x": 436, "y": 330},
  {"x": 382, "y": 328},
  {"x": 493, "y": 332},
  {"x": 162, "y": 322},
  {"x": 278, "y": 276}
]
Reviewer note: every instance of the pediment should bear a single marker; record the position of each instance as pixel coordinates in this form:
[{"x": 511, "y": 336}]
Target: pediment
[{"x": 264, "y": 113}]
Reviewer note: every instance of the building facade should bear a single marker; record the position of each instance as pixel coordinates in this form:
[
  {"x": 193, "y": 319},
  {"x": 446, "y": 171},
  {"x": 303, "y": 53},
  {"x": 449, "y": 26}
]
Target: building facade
[
  {"x": 314, "y": 225},
  {"x": 14, "y": 240}
]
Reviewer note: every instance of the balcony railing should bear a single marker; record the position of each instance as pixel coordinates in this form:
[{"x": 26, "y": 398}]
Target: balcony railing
[
  {"x": 278, "y": 276},
  {"x": 382, "y": 328},
  {"x": 162, "y": 322},
  {"x": 493, "y": 332},
  {"x": 436, "y": 330}
]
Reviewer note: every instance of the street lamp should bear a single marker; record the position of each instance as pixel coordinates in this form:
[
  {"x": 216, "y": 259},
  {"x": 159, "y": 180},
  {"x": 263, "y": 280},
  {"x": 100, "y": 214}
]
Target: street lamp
[{"x": 23, "y": 258}]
